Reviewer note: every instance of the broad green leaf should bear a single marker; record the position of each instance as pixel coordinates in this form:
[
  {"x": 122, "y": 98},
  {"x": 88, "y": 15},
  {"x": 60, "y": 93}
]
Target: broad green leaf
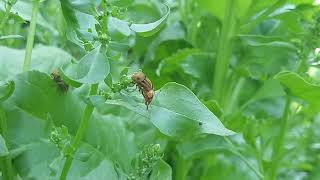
[
  {"x": 70, "y": 8},
  {"x": 177, "y": 103},
  {"x": 24, "y": 10},
  {"x": 172, "y": 63},
  {"x": 211, "y": 143},
  {"x": 143, "y": 12},
  {"x": 94, "y": 166},
  {"x": 151, "y": 28},
  {"x": 79, "y": 17},
  {"x": 121, "y": 3},
  {"x": 44, "y": 59},
  {"x": 188, "y": 66},
  {"x": 172, "y": 33},
  {"x": 300, "y": 87},
  {"x": 91, "y": 69},
  {"x": 226, "y": 167},
  {"x": 206, "y": 33},
  {"x": 3, "y": 148},
  {"x": 217, "y": 7},
  {"x": 161, "y": 171},
  {"x": 121, "y": 35},
  {"x": 265, "y": 57},
  {"x": 38, "y": 94},
  {"x": 69, "y": 13},
  {"x": 117, "y": 25},
  {"x": 175, "y": 111},
  {"x": 202, "y": 145},
  {"x": 41, "y": 160},
  {"x": 109, "y": 135},
  {"x": 6, "y": 90},
  {"x": 34, "y": 162},
  {"x": 270, "y": 88},
  {"x": 85, "y": 6},
  {"x": 36, "y": 97}
]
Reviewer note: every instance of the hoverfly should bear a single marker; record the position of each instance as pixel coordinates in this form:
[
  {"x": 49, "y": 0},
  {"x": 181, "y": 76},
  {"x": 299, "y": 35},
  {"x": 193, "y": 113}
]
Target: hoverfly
[
  {"x": 62, "y": 86},
  {"x": 145, "y": 86}
]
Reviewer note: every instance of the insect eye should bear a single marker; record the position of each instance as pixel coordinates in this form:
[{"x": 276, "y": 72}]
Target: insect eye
[
  {"x": 138, "y": 77},
  {"x": 150, "y": 94}
]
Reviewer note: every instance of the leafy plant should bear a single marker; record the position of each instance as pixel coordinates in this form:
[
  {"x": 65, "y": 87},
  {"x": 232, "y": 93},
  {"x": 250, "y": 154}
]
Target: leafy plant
[{"x": 234, "y": 86}]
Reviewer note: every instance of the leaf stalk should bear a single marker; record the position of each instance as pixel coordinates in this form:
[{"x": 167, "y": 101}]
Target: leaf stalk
[
  {"x": 224, "y": 49},
  {"x": 278, "y": 145},
  {"x": 7, "y": 172},
  {"x": 80, "y": 133},
  {"x": 31, "y": 34}
]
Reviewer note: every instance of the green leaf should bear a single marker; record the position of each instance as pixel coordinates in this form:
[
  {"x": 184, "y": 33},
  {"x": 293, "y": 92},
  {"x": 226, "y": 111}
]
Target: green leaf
[
  {"x": 177, "y": 103},
  {"x": 44, "y": 59},
  {"x": 3, "y": 148},
  {"x": 71, "y": 7},
  {"x": 196, "y": 147},
  {"x": 151, "y": 28},
  {"x": 175, "y": 111},
  {"x": 36, "y": 97},
  {"x": 34, "y": 162},
  {"x": 108, "y": 81},
  {"x": 270, "y": 88},
  {"x": 85, "y": 6},
  {"x": 300, "y": 87},
  {"x": 79, "y": 17},
  {"x": 24, "y": 10},
  {"x": 171, "y": 33},
  {"x": 37, "y": 94},
  {"x": 161, "y": 171},
  {"x": 120, "y": 3},
  {"x": 117, "y": 25},
  {"x": 172, "y": 63},
  {"x": 6, "y": 90},
  {"x": 91, "y": 69},
  {"x": 264, "y": 57},
  {"x": 91, "y": 164},
  {"x": 216, "y": 8}
]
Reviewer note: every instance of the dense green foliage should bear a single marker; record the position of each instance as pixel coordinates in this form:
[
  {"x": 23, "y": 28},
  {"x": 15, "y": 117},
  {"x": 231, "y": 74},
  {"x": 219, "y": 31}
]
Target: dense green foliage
[{"x": 237, "y": 89}]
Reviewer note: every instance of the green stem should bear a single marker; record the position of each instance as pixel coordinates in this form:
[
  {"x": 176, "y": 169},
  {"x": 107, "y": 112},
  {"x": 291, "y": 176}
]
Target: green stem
[
  {"x": 7, "y": 165},
  {"x": 182, "y": 167},
  {"x": 232, "y": 99},
  {"x": 31, "y": 34},
  {"x": 259, "y": 156},
  {"x": 252, "y": 24},
  {"x": 224, "y": 49},
  {"x": 80, "y": 133},
  {"x": 278, "y": 145}
]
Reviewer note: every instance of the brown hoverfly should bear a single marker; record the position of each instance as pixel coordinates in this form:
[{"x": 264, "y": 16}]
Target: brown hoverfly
[
  {"x": 62, "y": 86},
  {"x": 145, "y": 86}
]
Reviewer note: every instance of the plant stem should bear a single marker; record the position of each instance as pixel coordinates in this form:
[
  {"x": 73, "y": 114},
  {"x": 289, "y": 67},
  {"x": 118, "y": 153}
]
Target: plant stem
[
  {"x": 253, "y": 23},
  {"x": 80, "y": 133},
  {"x": 278, "y": 145},
  {"x": 7, "y": 165},
  {"x": 31, "y": 34},
  {"x": 259, "y": 156},
  {"x": 182, "y": 167},
  {"x": 224, "y": 49},
  {"x": 234, "y": 95}
]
